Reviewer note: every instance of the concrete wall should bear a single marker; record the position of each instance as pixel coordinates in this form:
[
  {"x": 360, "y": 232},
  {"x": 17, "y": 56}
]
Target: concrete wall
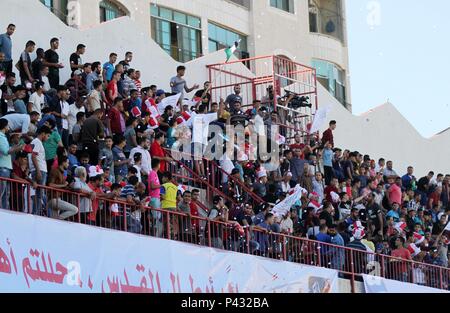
[{"x": 383, "y": 132}]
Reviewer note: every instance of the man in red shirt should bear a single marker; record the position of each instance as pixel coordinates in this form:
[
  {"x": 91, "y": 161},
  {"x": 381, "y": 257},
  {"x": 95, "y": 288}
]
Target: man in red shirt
[
  {"x": 194, "y": 208},
  {"x": 112, "y": 91},
  {"x": 394, "y": 191},
  {"x": 298, "y": 144},
  {"x": 157, "y": 152},
  {"x": 400, "y": 268},
  {"x": 116, "y": 118},
  {"x": 328, "y": 134},
  {"x": 333, "y": 187}
]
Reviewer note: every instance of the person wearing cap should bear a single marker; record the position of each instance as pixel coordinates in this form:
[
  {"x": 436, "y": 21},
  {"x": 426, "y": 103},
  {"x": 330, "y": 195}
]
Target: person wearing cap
[
  {"x": 285, "y": 184},
  {"x": 19, "y": 105}
]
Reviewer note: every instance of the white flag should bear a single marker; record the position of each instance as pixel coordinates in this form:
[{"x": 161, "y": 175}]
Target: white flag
[
  {"x": 319, "y": 119},
  {"x": 447, "y": 227},
  {"x": 172, "y": 100},
  {"x": 200, "y": 130},
  {"x": 285, "y": 206}
]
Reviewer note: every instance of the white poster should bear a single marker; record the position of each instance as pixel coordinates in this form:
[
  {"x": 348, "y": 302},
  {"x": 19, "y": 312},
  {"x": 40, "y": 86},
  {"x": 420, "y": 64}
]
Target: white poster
[
  {"x": 375, "y": 284},
  {"x": 43, "y": 255}
]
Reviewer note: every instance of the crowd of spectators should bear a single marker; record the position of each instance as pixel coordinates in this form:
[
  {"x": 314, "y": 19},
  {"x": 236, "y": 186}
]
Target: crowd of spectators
[{"x": 97, "y": 134}]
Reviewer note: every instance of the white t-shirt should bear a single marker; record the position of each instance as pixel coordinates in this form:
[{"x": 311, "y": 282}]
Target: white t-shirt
[
  {"x": 72, "y": 116},
  {"x": 65, "y": 111},
  {"x": 37, "y": 101},
  {"x": 40, "y": 156},
  {"x": 44, "y": 79}
]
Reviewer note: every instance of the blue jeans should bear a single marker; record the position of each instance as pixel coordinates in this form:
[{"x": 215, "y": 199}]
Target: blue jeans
[
  {"x": 38, "y": 206},
  {"x": 5, "y": 188}
]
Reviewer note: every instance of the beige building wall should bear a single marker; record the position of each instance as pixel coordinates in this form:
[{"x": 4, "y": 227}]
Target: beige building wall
[{"x": 269, "y": 30}]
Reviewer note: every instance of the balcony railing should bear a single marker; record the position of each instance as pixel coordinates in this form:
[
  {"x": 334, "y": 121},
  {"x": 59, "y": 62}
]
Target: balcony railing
[{"x": 227, "y": 235}]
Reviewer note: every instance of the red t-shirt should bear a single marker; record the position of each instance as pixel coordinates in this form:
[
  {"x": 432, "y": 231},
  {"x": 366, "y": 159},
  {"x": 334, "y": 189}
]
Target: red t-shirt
[
  {"x": 395, "y": 194},
  {"x": 157, "y": 150},
  {"x": 194, "y": 212},
  {"x": 117, "y": 121},
  {"x": 112, "y": 86},
  {"x": 93, "y": 215},
  {"x": 404, "y": 254}
]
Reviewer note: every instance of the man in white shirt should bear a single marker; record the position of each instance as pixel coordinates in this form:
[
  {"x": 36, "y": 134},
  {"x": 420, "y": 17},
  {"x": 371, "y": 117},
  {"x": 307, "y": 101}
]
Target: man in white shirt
[
  {"x": 44, "y": 78},
  {"x": 37, "y": 99},
  {"x": 143, "y": 148},
  {"x": 65, "y": 120},
  {"x": 38, "y": 166},
  {"x": 74, "y": 109}
]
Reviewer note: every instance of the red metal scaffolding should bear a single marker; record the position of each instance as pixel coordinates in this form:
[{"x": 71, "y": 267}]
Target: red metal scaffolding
[{"x": 282, "y": 74}]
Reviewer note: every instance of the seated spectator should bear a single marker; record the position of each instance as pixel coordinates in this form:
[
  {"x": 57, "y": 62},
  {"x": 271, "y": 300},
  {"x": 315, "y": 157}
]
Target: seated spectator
[{"x": 59, "y": 208}]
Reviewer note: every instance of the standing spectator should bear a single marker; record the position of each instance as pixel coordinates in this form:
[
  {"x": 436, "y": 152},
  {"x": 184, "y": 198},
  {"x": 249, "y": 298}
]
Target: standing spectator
[
  {"x": 107, "y": 157},
  {"x": 87, "y": 69},
  {"x": 121, "y": 162},
  {"x": 179, "y": 85},
  {"x": 5, "y": 162},
  {"x": 128, "y": 82},
  {"x": 204, "y": 97},
  {"x": 6, "y": 46},
  {"x": 130, "y": 135},
  {"x": 234, "y": 97},
  {"x": 74, "y": 109},
  {"x": 76, "y": 131},
  {"x": 94, "y": 75},
  {"x": 116, "y": 117},
  {"x": 112, "y": 90},
  {"x": 400, "y": 268},
  {"x": 137, "y": 81},
  {"x": 38, "y": 165},
  {"x": 37, "y": 63},
  {"x": 143, "y": 148},
  {"x": 126, "y": 63},
  {"x": 43, "y": 77},
  {"x": 37, "y": 99},
  {"x": 57, "y": 104},
  {"x": 94, "y": 100},
  {"x": 409, "y": 179},
  {"x": 57, "y": 180},
  {"x": 389, "y": 171},
  {"x": 51, "y": 144},
  {"x": 19, "y": 105},
  {"x": 8, "y": 94},
  {"x": 328, "y": 134},
  {"x": 394, "y": 193},
  {"x": 75, "y": 58},
  {"x": 328, "y": 163},
  {"x": 24, "y": 64},
  {"x": 52, "y": 61},
  {"x": 109, "y": 68},
  {"x": 157, "y": 152},
  {"x": 184, "y": 206},
  {"x": 92, "y": 132}
]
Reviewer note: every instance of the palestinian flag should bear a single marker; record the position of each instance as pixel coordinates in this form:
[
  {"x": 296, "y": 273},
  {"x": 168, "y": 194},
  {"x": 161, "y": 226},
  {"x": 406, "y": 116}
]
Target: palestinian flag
[{"x": 230, "y": 51}]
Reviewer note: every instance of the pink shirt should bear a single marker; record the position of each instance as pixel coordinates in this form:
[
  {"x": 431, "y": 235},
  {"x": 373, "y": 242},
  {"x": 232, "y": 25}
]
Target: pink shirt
[
  {"x": 395, "y": 194},
  {"x": 153, "y": 178}
]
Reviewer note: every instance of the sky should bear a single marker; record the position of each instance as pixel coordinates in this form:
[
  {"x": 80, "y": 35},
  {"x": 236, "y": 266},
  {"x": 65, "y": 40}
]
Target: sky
[{"x": 399, "y": 50}]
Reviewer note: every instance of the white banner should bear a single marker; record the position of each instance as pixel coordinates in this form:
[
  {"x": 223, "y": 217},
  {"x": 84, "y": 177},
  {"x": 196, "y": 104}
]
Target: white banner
[
  {"x": 319, "y": 119},
  {"x": 376, "y": 284},
  {"x": 285, "y": 206},
  {"x": 42, "y": 255}
]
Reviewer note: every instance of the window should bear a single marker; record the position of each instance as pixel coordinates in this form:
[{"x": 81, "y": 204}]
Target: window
[
  {"x": 48, "y": 3},
  {"x": 110, "y": 11},
  {"x": 179, "y": 34},
  {"x": 331, "y": 77},
  {"x": 221, "y": 38},
  {"x": 325, "y": 18},
  {"x": 285, "y": 5}
]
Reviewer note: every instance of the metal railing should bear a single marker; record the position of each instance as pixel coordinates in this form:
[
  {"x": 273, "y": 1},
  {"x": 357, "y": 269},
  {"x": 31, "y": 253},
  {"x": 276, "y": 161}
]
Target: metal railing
[{"x": 118, "y": 214}]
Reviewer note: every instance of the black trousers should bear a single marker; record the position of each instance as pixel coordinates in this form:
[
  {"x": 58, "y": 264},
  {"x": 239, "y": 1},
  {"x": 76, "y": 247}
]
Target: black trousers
[{"x": 329, "y": 174}]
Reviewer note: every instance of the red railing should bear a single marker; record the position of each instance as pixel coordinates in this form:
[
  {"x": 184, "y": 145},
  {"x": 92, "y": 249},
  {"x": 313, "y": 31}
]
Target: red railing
[{"x": 228, "y": 235}]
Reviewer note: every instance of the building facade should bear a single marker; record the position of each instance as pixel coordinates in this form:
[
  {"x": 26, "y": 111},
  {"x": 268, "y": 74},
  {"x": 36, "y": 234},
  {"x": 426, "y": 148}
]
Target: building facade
[{"x": 311, "y": 32}]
